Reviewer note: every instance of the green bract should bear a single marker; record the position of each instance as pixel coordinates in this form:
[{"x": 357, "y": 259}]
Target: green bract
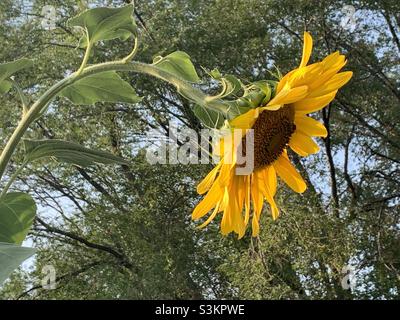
[
  {"x": 230, "y": 84},
  {"x": 233, "y": 99}
]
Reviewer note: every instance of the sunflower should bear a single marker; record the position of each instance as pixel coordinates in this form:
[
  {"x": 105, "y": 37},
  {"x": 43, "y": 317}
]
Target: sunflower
[{"x": 283, "y": 122}]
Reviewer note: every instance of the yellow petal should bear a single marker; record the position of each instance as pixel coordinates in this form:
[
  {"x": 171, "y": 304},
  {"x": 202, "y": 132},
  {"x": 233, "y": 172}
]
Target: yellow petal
[
  {"x": 223, "y": 147},
  {"x": 210, "y": 218},
  {"x": 310, "y": 126},
  {"x": 306, "y": 75},
  {"x": 270, "y": 175},
  {"x": 226, "y": 222},
  {"x": 307, "y": 48},
  {"x": 232, "y": 219},
  {"x": 310, "y": 105},
  {"x": 225, "y": 174},
  {"x": 255, "y": 226},
  {"x": 262, "y": 182},
  {"x": 210, "y": 200},
  {"x": 269, "y": 190},
  {"x": 298, "y": 150},
  {"x": 287, "y": 96},
  {"x": 258, "y": 200},
  {"x": 284, "y": 80},
  {"x": 265, "y": 177},
  {"x": 289, "y": 174},
  {"x": 245, "y": 120},
  {"x": 225, "y": 200},
  {"x": 206, "y": 183},
  {"x": 242, "y": 184},
  {"x": 302, "y": 144},
  {"x": 336, "y": 82},
  {"x": 218, "y": 147},
  {"x": 256, "y": 193},
  {"x": 274, "y": 207},
  {"x": 333, "y": 60},
  {"x": 239, "y": 223},
  {"x": 247, "y": 199},
  {"x": 328, "y": 73}
]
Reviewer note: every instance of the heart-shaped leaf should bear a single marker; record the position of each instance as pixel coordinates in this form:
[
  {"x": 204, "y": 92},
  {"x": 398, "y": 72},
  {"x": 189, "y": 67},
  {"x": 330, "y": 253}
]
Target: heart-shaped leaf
[
  {"x": 11, "y": 256},
  {"x": 102, "y": 87},
  {"x": 17, "y": 212},
  {"x": 68, "y": 152},
  {"x": 179, "y": 64},
  {"x": 5, "y": 86},
  {"x": 8, "y": 69},
  {"x": 105, "y": 24}
]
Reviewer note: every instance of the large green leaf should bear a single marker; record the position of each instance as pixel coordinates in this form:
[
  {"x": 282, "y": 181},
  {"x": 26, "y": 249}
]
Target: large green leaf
[
  {"x": 68, "y": 152},
  {"x": 17, "y": 212},
  {"x": 102, "y": 87},
  {"x": 105, "y": 24},
  {"x": 5, "y": 86},
  {"x": 8, "y": 69},
  {"x": 11, "y": 256},
  {"x": 179, "y": 64}
]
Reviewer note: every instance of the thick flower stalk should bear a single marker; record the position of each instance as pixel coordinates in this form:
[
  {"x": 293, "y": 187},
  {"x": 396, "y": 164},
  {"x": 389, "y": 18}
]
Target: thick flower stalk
[{"x": 279, "y": 124}]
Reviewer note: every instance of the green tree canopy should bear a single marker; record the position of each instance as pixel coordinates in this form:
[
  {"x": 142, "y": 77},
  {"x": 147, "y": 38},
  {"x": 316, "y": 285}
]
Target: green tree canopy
[{"x": 125, "y": 231}]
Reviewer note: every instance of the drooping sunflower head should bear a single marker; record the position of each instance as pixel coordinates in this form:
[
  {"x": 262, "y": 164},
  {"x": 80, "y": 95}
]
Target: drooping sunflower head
[{"x": 276, "y": 125}]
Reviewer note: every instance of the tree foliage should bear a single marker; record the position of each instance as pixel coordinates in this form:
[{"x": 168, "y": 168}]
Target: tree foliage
[{"x": 125, "y": 231}]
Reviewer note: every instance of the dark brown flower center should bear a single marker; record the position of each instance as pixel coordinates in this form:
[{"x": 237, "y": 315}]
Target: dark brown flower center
[{"x": 272, "y": 132}]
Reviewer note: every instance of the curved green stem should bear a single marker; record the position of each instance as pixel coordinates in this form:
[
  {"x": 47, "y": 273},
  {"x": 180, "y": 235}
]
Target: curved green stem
[
  {"x": 182, "y": 86},
  {"x": 129, "y": 57},
  {"x": 85, "y": 58}
]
